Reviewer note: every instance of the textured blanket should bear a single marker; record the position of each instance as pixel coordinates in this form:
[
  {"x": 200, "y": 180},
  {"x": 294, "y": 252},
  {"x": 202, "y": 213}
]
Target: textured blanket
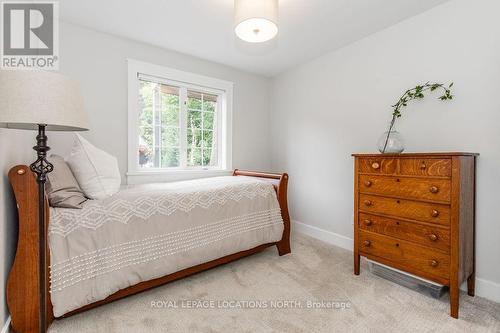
[{"x": 148, "y": 231}]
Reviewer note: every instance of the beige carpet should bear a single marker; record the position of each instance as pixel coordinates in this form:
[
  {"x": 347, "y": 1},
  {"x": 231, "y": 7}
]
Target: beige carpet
[{"x": 315, "y": 271}]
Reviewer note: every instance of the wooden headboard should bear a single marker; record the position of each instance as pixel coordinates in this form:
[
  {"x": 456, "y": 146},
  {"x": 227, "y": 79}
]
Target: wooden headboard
[{"x": 23, "y": 282}]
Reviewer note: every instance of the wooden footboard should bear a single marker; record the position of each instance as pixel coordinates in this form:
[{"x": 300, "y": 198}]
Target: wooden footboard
[
  {"x": 281, "y": 187},
  {"x": 23, "y": 286}
]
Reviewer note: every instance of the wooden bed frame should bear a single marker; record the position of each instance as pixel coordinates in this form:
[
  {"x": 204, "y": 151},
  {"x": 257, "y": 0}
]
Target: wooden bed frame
[{"x": 23, "y": 285}]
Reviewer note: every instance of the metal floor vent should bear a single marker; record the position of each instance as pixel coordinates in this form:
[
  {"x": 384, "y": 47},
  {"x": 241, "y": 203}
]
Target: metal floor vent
[{"x": 409, "y": 281}]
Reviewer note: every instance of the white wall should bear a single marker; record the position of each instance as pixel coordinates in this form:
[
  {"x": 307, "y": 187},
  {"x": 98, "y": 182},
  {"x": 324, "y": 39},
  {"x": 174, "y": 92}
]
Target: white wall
[
  {"x": 340, "y": 104},
  {"x": 98, "y": 61}
]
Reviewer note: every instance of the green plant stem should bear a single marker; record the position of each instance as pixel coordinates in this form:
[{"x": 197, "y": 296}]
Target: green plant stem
[{"x": 415, "y": 93}]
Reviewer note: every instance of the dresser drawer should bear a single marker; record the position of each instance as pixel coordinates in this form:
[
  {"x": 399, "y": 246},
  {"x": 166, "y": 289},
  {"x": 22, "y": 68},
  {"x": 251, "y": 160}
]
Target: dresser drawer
[
  {"x": 422, "y": 211},
  {"x": 411, "y": 188},
  {"x": 405, "y": 255},
  {"x": 425, "y": 167},
  {"x": 378, "y": 165},
  {"x": 422, "y": 234}
]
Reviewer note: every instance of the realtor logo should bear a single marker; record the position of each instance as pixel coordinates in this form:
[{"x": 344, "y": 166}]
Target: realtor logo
[{"x": 29, "y": 35}]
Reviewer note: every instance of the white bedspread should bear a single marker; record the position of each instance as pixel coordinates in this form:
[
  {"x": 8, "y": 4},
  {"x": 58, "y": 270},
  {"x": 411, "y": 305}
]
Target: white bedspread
[{"x": 149, "y": 231}]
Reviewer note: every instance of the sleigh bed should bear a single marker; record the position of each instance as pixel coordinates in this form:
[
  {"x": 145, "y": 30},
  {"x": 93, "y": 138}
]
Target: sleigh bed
[{"x": 140, "y": 238}]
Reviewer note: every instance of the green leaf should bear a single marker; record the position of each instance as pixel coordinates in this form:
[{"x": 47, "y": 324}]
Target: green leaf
[{"x": 418, "y": 93}]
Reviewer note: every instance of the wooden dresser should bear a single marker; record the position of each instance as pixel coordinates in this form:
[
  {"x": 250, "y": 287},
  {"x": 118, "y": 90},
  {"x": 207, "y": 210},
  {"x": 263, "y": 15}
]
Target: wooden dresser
[{"x": 415, "y": 212}]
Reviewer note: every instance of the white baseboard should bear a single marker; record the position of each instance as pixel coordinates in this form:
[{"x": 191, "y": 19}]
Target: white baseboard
[
  {"x": 323, "y": 235},
  {"x": 484, "y": 288},
  {"x": 488, "y": 289},
  {"x": 5, "y": 328}
]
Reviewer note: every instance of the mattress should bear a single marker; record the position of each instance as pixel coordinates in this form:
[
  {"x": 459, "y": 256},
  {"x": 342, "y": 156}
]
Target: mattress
[{"x": 148, "y": 231}]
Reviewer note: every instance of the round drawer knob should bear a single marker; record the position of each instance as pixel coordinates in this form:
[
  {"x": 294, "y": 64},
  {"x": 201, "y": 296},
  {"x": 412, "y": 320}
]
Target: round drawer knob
[
  {"x": 434, "y": 189},
  {"x": 367, "y": 243},
  {"x": 434, "y": 213},
  {"x": 368, "y": 222},
  {"x": 434, "y": 263},
  {"x": 368, "y": 183},
  {"x": 433, "y": 237},
  {"x": 375, "y": 165},
  {"x": 423, "y": 166},
  {"x": 368, "y": 203}
]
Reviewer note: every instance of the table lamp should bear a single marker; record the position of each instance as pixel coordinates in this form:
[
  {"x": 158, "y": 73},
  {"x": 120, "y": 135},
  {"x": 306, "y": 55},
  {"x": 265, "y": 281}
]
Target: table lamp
[{"x": 43, "y": 101}]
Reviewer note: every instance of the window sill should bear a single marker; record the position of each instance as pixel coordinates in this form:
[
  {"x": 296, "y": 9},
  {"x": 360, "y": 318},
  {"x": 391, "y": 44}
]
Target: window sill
[{"x": 142, "y": 177}]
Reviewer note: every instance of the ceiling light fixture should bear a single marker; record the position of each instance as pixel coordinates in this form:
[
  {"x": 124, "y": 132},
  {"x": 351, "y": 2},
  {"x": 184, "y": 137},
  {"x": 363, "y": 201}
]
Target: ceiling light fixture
[{"x": 256, "y": 21}]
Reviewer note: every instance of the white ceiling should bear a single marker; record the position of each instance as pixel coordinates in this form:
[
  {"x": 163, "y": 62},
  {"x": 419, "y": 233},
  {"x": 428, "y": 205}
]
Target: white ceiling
[{"x": 204, "y": 28}]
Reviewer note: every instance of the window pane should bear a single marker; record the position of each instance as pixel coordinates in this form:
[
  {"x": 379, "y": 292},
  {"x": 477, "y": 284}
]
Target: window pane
[
  {"x": 169, "y": 105},
  {"x": 209, "y": 120},
  {"x": 194, "y": 138},
  {"x": 159, "y": 139},
  {"x": 170, "y": 157},
  {"x": 210, "y": 157},
  {"x": 209, "y": 105},
  {"x": 170, "y": 115},
  {"x": 146, "y": 135},
  {"x": 206, "y": 157},
  {"x": 146, "y": 156},
  {"x": 194, "y": 157},
  {"x": 170, "y": 137},
  {"x": 194, "y": 120},
  {"x": 208, "y": 139},
  {"x": 194, "y": 100},
  {"x": 146, "y": 90}
]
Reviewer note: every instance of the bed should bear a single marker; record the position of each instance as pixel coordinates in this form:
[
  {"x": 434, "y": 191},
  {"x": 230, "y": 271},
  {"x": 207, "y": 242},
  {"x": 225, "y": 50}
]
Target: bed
[{"x": 140, "y": 238}]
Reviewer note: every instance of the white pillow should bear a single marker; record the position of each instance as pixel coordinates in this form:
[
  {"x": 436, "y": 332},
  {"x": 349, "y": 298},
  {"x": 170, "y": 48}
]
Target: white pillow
[{"x": 95, "y": 170}]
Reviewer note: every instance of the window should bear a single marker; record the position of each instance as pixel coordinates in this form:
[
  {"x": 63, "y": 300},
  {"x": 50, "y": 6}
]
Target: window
[
  {"x": 178, "y": 121},
  {"x": 162, "y": 143}
]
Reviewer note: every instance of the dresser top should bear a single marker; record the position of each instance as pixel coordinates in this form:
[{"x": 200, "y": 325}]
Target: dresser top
[{"x": 414, "y": 154}]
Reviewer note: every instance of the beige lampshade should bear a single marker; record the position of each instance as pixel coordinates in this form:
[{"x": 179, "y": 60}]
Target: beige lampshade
[
  {"x": 31, "y": 98},
  {"x": 256, "y": 21}
]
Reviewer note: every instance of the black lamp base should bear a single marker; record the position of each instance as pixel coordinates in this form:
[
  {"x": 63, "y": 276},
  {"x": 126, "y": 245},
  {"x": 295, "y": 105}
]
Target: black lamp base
[{"x": 41, "y": 167}]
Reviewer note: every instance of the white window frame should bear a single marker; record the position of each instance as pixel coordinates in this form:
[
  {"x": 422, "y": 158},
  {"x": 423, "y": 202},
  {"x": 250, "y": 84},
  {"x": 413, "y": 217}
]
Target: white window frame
[{"x": 174, "y": 77}]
